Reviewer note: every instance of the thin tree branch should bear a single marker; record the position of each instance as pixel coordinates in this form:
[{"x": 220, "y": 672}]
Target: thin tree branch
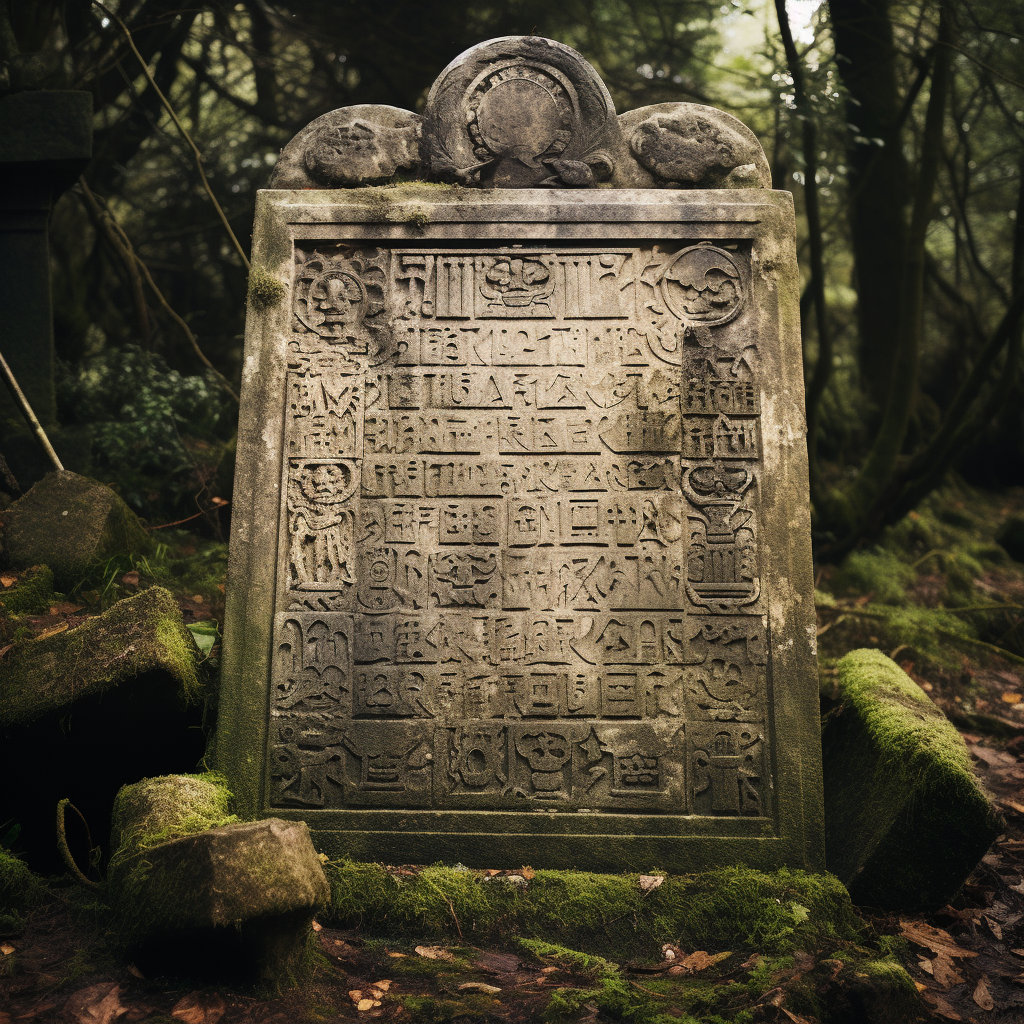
[{"x": 184, "y": 134}]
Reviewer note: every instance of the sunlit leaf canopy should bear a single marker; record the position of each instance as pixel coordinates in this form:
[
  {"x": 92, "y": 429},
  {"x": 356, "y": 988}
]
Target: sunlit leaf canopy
[{"x": 899, "y": 127}]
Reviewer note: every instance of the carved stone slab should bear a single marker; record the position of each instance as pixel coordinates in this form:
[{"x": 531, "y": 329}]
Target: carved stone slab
[
  {"x": 520, "y": 561},
  {"x": 520, "y": 550}
]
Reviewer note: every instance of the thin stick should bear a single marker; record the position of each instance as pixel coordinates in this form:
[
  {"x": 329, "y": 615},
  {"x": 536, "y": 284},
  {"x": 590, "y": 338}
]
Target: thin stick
[
  {"x": 62, "y": 843},
  {"x": 30, "y": 417},
  {"x": 181, "y": 128}
]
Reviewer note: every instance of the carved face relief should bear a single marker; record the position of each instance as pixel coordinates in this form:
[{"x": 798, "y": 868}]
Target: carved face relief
[
  {"x": 515, "y": 283},
  {"x": 326, "y": 483},
  {"x": 329, "y": 297}
]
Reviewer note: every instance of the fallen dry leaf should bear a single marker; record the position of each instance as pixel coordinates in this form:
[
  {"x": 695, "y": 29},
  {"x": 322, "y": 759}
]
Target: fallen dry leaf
[
  {"x": 945, "y": 973},
  {"x": 317, "y": 926},
  {"x": 700, "y": 960},
  {"x": 435, "y": 953},
  {"x": 650, "y": 882},
  {"x": 397, "y": 956},
  {"x": 935, "y": 939},
  {"x": 7, "y": 949},
  {"x": 97, "y": 1004},
  {"x": 527, "y": 873},
  {"x": 8, "y": 581},
  {"x": 981, "y": 994},
  {"x": 365, "y": 1004},
  {"x": 1012, "y": 804},
  {"x": 1010, "y": 698},
  {"x": 479, "y": 986},
  {"x": 382, "y": 986},
  {"x": 135, "y": 972},
  {"x": 940, "y": 1006},
  {"x": 199, "y": 1008},
  {"x": 920, "y": 986}
]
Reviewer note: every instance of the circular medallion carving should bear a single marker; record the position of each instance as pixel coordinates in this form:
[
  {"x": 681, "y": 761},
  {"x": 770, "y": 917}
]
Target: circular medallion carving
[{"x": 702, "y": 285}]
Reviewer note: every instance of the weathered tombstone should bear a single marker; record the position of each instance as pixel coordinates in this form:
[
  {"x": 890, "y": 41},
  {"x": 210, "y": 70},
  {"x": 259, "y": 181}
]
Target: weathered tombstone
[{"x": 520, "y": 552}]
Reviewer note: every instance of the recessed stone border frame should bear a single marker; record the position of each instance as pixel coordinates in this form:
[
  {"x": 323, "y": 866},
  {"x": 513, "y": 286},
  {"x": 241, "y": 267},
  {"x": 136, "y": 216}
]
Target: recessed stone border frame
[{"x": 776, "y": 820}]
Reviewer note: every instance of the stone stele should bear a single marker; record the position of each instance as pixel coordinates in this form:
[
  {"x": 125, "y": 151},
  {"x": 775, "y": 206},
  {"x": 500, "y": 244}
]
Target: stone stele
[{"x": 520, "y": 561}]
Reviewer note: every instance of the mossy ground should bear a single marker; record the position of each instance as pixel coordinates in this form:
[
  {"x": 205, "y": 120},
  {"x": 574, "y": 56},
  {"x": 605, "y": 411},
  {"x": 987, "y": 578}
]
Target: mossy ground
[{"x": 611, "y": 914}]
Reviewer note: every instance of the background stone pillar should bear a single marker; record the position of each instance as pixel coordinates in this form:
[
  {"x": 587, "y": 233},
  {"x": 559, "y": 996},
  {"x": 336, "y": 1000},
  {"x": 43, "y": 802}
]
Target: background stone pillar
[{"x": 46, "y": 143}]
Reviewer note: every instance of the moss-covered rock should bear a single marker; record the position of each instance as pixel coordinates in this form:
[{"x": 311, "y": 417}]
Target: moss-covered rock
[
  {"x": 85, "y": 710},
  {"x": 727, "y": 908},
  {"x": 69, "y": 523},
  {"x": 140, "y": 635},
  {"x": 905, "y": 817},
  {"x": 31, "y": 594},
  {"x": 232, "y": 899}
]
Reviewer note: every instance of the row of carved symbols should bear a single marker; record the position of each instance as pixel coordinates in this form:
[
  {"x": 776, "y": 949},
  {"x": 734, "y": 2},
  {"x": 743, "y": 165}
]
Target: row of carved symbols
[
  {"x": 728, "y": 652},
  {"x": 700, "y": 286},
  {"x": 639, "y": 431},
  {"x": 521, "y": 390},
  {"x": 596, "y": 521},
  {"x": 558, "y": 765},
  {"x": 494, "y": 478}
]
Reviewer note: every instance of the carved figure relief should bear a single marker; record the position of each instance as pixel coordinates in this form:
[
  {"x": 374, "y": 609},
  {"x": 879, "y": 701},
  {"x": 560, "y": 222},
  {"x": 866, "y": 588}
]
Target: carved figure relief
[{"x": 321, "y": 525}]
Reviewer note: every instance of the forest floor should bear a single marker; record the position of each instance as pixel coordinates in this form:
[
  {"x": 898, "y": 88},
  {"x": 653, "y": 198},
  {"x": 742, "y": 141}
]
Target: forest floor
[{"x": 937, "y": 595}]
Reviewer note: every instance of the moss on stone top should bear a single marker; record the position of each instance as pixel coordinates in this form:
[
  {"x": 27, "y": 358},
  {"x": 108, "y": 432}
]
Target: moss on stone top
[
  {"x": 728, "y": 907},
  {"x": 155, "y": 811},
  {"x": 142, "y": 634}
]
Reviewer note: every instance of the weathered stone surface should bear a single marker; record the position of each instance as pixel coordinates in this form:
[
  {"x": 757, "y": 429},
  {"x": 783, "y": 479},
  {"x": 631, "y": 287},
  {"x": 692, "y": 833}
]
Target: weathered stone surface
[
  {"x": 688, "y": 145},
  {"x": 520, "y": 555},
  {"x": 234, "y": 898},
  {"x": 905, "y": 818},
  {"x": 69, "y": 523},
  {"x": 359, "y": 145},
  {"x": 138, "y": 636},
  {"x": 29, "y": 592},
  {"x": 524, "y": 112}
]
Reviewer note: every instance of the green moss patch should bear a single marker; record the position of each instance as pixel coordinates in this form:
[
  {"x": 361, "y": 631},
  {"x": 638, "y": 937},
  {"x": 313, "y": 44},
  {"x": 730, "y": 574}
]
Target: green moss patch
[
  {"x": 31, "y": 594},
  {"x": 139, "y": 635},
  {"x": 905, "y": 818},
  {"x": 727, "y": 908}
]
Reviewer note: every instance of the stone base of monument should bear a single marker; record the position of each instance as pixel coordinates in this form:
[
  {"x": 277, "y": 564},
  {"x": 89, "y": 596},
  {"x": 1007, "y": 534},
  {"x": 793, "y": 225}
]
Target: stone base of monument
[
  {"x": 905, "y": 818},
  {"x": 69, "y": 523},
  {"x": 232, "y": 900},
  {"x": 84, "y": 709}
]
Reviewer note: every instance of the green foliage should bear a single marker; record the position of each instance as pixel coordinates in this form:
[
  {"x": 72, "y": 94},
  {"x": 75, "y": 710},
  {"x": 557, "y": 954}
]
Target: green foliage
[
  {"x": 155, "y": 434},
  {"x": 32, "y": 594}
]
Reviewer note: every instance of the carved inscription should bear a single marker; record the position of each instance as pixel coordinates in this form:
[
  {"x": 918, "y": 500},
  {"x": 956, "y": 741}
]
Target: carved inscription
[{"x": 519, "y": 534}]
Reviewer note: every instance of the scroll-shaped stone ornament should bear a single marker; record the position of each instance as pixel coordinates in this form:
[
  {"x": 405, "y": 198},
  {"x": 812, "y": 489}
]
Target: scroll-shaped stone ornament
[{"x": 524, "y": 112}]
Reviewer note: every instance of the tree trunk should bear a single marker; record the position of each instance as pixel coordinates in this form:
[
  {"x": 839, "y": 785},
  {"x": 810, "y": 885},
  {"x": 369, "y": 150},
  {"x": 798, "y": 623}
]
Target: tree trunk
[{"x": 878, "y": 181}]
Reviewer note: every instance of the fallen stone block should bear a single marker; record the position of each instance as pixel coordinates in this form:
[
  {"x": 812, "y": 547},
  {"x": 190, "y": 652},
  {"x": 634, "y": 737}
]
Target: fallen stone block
[
  {"x": 85, "y": 709},
  {"x": 905, "y": 818},
  {"x": 69, "y": 523},
  {"x": 236, "y": 899}
]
